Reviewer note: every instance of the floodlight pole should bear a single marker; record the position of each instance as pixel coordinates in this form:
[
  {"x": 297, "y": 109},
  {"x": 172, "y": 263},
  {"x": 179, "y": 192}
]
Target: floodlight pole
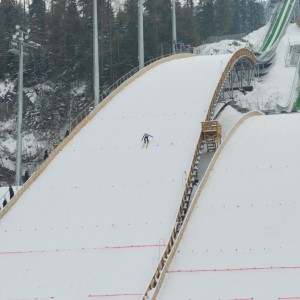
[
  {"x": 174, "y": 35},
  {"x": 141, "y": 34},
  {"x": 96, "y": 54},
  {"x": 20, "y": 112},
  {"x": 17, "y": 48}
]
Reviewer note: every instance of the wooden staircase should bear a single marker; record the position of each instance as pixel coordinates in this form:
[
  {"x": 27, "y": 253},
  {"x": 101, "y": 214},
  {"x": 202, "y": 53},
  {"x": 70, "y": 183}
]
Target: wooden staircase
[{"x": 211, "y": 134}]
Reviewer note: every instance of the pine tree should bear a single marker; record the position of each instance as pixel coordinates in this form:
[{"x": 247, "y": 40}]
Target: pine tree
[
  {"x": 255, "y": 18},
  {"x": 37, "y": 19},
  {"x": 106, "y": 18},
  {"x": 128, "y": 34},
  {"x": 186, "y": 24},
  {"x": 57, "y": 38},
  {"x": 10, "y": 15},
  {"x": 157, "y": 28},
  {"x": 205, "y": 19},
  {"x": 243, "y": 15},
  {"x": 223, "y": 17},
  {"x": 37, "y": 65},
  {"x": 74, "y": 46},
  {"x": 236, "y": 16},
  {"x": 86, "y": 41}
]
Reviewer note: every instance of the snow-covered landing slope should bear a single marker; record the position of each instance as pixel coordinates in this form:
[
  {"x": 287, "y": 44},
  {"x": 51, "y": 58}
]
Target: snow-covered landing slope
[
  {"x": 94, "y": 221},
  {"x": 242, "y": 240}
]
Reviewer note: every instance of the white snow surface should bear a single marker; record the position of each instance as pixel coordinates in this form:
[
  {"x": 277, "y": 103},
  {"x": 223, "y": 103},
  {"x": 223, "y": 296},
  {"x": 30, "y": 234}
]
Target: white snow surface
[
  {"x": 78, "y": 89},
  {"x": 6, "y": 87},
  {"x": 256, "y": 38},
  {"x": 252, "y": 40},
  {"x": 30, "y": 147},
  {"x": 95, "y": 221},
  {"x": 31, "y": 94},
  {"x": 242, "y": 240}
]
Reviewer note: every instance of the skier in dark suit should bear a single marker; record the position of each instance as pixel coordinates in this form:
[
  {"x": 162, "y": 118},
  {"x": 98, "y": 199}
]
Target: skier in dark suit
[{"x": 145, "y": 138}]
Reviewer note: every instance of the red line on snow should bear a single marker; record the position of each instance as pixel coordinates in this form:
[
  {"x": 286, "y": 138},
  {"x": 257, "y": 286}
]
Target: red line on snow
[
  {"x": 82, "y": 249},
  {"x": 237, "y": 270},
  {"x": 47, "y": 298},
  {"x": 241, "y": 299},
  {"x": 113, "y": 295}
]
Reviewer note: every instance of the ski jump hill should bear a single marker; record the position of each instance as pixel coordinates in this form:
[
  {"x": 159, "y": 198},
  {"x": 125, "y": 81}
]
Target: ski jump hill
[{"x": 97, "y": 219}]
